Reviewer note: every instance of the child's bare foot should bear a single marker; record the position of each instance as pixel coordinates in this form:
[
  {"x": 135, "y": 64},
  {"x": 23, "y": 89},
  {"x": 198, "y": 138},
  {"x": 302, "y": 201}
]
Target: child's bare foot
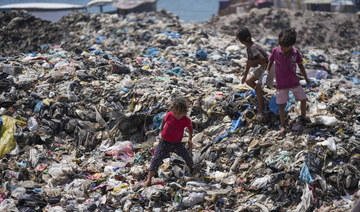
[
  {"x": 282, "y": 132},
  {"x": 147, "y": 183}
]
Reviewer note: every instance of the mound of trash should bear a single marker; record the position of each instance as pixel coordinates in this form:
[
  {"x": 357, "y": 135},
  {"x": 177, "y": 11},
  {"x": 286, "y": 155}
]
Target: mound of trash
[
  {"x": 321, "y": 29},
  {"x": 81, "y": 106}
]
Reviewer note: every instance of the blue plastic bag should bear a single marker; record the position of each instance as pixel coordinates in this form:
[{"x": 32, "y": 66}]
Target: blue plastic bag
[
  {"x": 221, "y": 136},
  {"x": 158, "y": 119},
  {"x": 274, "y": 107},
  {"x": 152, "y": 52},
  {"x": 175, "y": 71},
  {"x": 305, "y": 175},
  {"x": 39, "y": 105},
  {"x": 201, "y": 55},
  {"x": 236, "y": 124},
  {"x": 172, "y": 34}
]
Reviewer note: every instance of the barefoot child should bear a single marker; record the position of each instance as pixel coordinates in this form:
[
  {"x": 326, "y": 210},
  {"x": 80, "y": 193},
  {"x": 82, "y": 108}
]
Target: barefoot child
[
  {"x": 286, "y": 57},
  {"x": 172, "y": 130},
  {"x": 256, "y": 56}
]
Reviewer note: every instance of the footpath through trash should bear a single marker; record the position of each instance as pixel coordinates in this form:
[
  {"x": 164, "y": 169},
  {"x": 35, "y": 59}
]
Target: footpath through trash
[{"x": 82, "y": 100}]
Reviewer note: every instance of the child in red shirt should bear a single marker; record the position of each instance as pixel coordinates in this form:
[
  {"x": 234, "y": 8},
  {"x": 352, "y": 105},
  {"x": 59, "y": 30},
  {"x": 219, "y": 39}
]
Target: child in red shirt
[{"x": 172, "y": 130}]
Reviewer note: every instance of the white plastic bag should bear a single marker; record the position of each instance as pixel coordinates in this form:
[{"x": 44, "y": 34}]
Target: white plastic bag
[
  {"x": 193, "y": 199},
  {"x": 328, "y": 120},
  {"x": 260, "y": 182}
]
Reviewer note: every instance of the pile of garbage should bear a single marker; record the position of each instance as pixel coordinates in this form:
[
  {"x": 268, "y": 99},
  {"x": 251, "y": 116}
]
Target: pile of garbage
[
  {"x": 321, "y": 29},
  {"x": 80, "y": 117}
]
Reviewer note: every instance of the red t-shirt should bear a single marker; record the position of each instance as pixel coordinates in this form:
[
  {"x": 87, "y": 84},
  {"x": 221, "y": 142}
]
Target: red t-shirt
[{"x": 174, "y": 129}]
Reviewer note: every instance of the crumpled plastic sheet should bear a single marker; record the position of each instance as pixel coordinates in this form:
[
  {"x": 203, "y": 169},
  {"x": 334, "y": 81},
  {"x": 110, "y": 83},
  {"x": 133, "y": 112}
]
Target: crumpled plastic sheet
[
  {"x": 175, "y": 71},
  {"x": 274, "y": 107},
  {"x": 193, "y": 199},
  {"x": 152, "y": 52},
  {"x": 157, "y": 120},
  {"x": 330, "y": 143},
  {"x": 236, "y": 123},
  {"x": 305, "y": 175},
  {"x": 283, "y": 156},
  {"x": 307, "y": 199},
  {"x": 201, "y": 55},
  {"x": 260, "y": 182},
  {"x": 7, "y": 140}
]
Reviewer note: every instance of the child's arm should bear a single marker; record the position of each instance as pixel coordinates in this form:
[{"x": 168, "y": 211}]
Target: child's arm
[
  {"x": 246, "y": 72},
  {"x": 260, "y": 61},
  {"x": 249, "y": 63},
  {"x": 269, "y": 65},
  {"x": 162, "y": 125},
  {"x": 303, "y": 72},
  {"x": 190, "y": 138}
]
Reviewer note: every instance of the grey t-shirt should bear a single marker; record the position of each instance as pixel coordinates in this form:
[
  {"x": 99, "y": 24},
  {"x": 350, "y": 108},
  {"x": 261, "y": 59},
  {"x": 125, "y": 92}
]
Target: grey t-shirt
[{"x": 254, "y": 51}]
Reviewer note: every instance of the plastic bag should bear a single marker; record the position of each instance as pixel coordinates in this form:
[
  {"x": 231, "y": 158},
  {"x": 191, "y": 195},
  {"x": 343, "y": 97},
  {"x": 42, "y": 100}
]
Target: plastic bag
[
  {"x": 32, "y": 124},
  {"x": 330, "y": 143},
  {"x": 260, "y": 182},
  {"x": 305, "y": 175},
  {"x": 158, "y": 119},
  {"x": 264, "y": 79},
  {"x": 328, "y": 120},
  {"x": 7, "y": 141},
  {"x": 306, "y": 200},
  {"x": 18, "y": 192},
  {"x": 8, "y": 205},
  {"x": 317, "y": 74},
  {"x": 34, "y": 157},
  {"x": 121, "y": 147},
  {"x": 193, "y": 199},
  {"x": 201, "y": 55},
  {"x": 236, "y": 123},
  {"x": 274, "y": 107}
]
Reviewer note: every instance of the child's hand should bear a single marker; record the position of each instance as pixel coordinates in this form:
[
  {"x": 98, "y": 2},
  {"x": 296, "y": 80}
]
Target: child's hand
[
  {"x": 243, "y": 79},
  {"x": 249, "y": 63},
  {"x": 190, "y": 143}
]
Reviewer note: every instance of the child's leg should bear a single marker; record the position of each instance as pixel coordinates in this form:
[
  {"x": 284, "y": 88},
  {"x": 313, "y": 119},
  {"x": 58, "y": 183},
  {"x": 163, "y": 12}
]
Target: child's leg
[
  {"x": 260, "y": 97},
  {"x": 162, "y": 152},
  {"x": 303, "y": 107},
  {"x": 301, "y": 96},
  {"x": 149, "y": 177},
  {"x": 257, "y": 87},
  {"x": 282, "y": 96},
  {"x": 179, "y": 149},
  {"x": 250, "y": 81},
  {"x": 282, "y": 116}
]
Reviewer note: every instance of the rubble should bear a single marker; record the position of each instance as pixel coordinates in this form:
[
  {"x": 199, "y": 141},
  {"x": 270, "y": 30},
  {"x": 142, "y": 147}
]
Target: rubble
[{"x": 82, "y": 100}]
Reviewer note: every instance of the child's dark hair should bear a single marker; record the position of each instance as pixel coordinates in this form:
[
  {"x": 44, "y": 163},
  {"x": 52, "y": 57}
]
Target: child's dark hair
[
  {"x": 287, "y": 37},
  {"x": 180, "y": 104},
  {"x": 243, "y": 34}
]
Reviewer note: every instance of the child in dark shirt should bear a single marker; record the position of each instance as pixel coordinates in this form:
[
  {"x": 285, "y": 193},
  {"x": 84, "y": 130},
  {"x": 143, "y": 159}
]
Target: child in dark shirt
[{"x": 256, "y": 56}]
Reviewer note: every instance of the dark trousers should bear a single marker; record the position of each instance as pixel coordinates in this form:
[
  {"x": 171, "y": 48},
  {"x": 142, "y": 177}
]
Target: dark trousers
[{"x": 163, "y": 151}]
